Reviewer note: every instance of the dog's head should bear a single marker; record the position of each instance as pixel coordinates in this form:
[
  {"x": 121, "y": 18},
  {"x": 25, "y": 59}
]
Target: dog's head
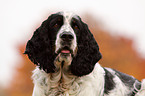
[{"x": 63, "y": 40}]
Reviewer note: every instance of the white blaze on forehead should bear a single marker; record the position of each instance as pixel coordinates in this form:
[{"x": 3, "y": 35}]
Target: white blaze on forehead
[{"x": 68, "y": 16}]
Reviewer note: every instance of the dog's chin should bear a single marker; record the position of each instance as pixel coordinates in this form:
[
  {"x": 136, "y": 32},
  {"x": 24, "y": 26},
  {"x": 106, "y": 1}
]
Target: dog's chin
[
  {"x": 64, "y": 55},
  {"x": 63, "y": 60}
]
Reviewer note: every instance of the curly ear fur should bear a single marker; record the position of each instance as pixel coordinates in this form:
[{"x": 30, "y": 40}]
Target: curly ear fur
[
  {"x": 40, "y": 49},
  {"x": 87, "y": 55}
]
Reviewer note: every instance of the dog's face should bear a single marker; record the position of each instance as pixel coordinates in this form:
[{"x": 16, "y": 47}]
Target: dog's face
[
  {"x": 66, "y": 40},
  {"x": 63, "y": 40}
]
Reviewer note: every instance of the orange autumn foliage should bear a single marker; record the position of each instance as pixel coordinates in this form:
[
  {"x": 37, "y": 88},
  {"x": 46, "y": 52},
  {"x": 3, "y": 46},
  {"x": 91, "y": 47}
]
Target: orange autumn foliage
[{"x": 22, "y": 83}]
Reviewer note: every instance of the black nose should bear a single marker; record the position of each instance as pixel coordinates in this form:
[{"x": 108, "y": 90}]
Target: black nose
[{"x": 66, "y": 36}]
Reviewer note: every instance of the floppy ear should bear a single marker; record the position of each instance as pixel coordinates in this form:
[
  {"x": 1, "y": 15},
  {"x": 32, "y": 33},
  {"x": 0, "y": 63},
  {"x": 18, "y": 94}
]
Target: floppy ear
[
  {"x": 87, "y": 55},
  {"x": 40, "y": 49}
]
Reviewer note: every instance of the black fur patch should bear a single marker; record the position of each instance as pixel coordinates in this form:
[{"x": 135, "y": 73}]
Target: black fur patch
[
  {"x": 41, "y": 47},
  {"x": 88, "y": 51},
  {"x": 109, "y": 83}
]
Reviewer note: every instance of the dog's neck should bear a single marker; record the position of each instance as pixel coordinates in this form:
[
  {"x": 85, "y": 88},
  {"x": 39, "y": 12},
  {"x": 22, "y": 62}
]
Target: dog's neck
[
  {"x": 62, "y": 64},
  {"x": 61, "y": 79},
  {"x": 62, "y": 74},
  {"x": 60, "y": 83}
]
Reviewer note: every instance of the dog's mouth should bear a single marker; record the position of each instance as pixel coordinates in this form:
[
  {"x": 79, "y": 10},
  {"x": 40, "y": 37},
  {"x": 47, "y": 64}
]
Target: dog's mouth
[{"x": 65, "y": 51}]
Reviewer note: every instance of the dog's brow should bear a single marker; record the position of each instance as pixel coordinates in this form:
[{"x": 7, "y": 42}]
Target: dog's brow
[{"x": 68, "y": 16}]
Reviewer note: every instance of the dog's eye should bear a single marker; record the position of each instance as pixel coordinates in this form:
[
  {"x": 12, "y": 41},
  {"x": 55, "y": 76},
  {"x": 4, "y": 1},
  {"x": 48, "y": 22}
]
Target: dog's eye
[
  {"x": 58, "y": 23},
  {"x": 76, "y": 27},
  {"x": 55, "y": 25}
]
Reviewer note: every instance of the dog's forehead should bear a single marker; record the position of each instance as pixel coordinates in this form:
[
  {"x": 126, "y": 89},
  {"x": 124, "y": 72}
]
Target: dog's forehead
[{"x": 68, "y": 16}]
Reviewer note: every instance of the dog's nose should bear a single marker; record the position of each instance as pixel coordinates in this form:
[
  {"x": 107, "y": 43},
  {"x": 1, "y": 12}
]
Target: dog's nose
[{"x": 66, "y": 36}]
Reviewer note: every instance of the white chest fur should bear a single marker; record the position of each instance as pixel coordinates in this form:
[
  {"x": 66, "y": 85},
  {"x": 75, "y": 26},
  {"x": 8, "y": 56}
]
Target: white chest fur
[{"x": 60, "y": 84}]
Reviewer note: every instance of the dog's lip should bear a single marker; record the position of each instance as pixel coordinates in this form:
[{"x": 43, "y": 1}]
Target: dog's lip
[{"x": 65, "y": 50}]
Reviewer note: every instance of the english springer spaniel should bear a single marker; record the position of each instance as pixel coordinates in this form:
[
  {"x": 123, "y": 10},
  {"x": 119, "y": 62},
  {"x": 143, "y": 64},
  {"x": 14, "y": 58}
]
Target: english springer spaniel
[{"x": 67, "y": 55}]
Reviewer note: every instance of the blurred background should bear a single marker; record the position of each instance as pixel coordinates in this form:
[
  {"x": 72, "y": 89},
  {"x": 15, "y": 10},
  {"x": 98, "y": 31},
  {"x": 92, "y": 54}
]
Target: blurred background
[{"x": 117, "y": 25}]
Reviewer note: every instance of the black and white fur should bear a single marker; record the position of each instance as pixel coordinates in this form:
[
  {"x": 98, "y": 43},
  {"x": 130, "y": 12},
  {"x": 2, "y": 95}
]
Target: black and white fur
[{"x": 66, "y": 55}]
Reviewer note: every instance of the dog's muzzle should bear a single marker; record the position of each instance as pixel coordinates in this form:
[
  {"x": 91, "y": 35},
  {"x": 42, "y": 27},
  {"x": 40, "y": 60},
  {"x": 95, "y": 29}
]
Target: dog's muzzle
[{"x": 66, "y": 40}]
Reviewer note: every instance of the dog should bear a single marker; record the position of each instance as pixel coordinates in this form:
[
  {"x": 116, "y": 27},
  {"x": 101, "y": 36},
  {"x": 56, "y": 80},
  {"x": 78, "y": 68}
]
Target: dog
[{"x": 67, "y": 55}]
